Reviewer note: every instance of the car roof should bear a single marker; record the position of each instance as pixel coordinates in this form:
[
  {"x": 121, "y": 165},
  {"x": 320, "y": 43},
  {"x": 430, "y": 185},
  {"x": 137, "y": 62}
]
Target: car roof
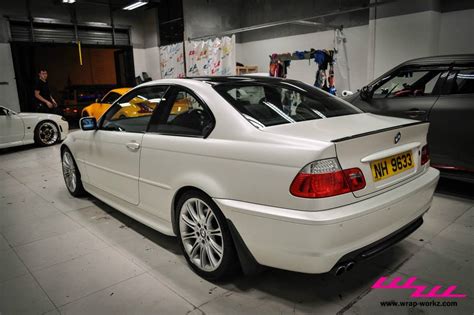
[
  {"x": 121, "y": 91},
  {"x": 444, "y": 59},
  {"x": 215, "y": 80}
]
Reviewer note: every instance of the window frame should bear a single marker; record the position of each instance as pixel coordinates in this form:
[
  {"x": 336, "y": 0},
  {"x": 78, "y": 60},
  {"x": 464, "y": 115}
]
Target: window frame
[
  {"x": 137, "y": 89},
  {"x": 161, "y": 115}
]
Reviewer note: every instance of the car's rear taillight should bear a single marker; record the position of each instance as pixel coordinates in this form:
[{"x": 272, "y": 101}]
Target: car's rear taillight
[
  {"x": 325, "y": 178},
  {"x": 425, "y": 155},
  {"x": 144, "y": 109}
]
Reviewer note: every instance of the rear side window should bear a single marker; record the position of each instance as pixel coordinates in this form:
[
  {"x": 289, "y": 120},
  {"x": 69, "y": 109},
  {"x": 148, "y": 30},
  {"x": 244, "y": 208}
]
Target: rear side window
[{"x": 269, "y": 104}]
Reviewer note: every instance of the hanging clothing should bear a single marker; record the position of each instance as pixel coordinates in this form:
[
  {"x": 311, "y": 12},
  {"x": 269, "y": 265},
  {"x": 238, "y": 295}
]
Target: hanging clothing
[{"x": 278, "y": 68}]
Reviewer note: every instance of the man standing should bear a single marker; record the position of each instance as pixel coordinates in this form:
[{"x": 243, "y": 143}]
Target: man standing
[{"x": 44, "y": 99}]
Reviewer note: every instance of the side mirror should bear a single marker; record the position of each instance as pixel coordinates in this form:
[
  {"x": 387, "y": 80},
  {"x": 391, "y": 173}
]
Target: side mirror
[
  {"x": 366, "y": 93},
  {"x": 88, "y": 123},
  {"x": 346, "y": 93}
]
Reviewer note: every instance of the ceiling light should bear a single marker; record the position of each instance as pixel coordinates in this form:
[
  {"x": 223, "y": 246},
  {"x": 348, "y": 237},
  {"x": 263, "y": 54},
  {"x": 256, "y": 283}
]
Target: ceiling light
[
  {"x": 69, "y": 1},
  {"x": 135, "y": 5}
]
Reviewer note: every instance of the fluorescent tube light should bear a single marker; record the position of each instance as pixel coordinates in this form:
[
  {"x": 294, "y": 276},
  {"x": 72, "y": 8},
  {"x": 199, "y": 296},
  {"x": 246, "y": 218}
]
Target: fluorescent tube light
[{"x": 135, "y": 5}]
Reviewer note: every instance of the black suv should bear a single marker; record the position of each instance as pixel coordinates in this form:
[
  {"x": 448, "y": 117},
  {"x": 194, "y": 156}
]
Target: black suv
[{"x": 435, "y": 89}]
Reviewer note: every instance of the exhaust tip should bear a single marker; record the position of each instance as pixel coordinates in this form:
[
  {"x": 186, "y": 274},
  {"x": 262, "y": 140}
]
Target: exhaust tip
[
  {"x": 350, "y": 265},
  {"x": 340, "y": 270}
]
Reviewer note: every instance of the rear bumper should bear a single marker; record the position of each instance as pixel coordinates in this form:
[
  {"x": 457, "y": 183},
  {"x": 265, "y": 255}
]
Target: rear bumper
[{"x": 314, "y": 242}]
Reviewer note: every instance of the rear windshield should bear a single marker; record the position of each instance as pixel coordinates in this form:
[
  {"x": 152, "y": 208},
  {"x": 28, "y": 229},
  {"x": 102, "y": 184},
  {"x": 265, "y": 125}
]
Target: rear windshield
[{"x": 282, "y": 102}]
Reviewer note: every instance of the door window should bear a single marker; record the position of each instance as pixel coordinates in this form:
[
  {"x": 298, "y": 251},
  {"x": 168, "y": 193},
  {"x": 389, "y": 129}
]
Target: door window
[
  {"x": 134, "y": 110},
  {"x": 186, "y": 116},
  {"x": 411, "y": 82}
]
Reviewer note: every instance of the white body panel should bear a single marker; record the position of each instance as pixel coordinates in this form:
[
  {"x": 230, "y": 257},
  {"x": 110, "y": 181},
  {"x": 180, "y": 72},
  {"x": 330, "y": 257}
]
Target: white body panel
[
  {"x": 19, "y": 128},
  {"x": 248, "y": 173}
]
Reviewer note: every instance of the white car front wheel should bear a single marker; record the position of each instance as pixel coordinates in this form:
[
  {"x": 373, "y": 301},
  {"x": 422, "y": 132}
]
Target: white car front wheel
[{"x": 47, "y": 133}]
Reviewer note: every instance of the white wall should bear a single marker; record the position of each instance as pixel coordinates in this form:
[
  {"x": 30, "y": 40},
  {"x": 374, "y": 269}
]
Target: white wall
[
  {"x": 147, "y": 60},
  {"x": 257, "y": 53},
  {"x": 457, "y": 32},
  {"x": 8, "y": 92},
  {"x": 152, "y": 56},
  {"x": 422, "y": 34},
  {"x": 372, "y": 49},
  {"x": 139, "y": 60},
  {"x": 403, "y": 37}
]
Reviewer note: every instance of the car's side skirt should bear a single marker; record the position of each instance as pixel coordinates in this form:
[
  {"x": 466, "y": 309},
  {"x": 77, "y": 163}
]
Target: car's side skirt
[{"x": 132, "y": 211}]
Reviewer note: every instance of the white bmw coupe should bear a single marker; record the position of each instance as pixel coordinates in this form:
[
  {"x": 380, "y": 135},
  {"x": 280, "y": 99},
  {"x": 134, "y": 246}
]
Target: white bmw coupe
[
  {"x": 25, "y": 128},
  {"x": 251, "y": 171}
]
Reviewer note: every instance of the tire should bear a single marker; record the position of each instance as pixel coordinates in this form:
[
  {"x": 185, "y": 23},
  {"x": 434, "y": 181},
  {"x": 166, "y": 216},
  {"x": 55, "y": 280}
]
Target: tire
[
  {"x": 47, "y": 133},
  {"x": 71, "y": 175},
  {"x": 206, "y": 245}
]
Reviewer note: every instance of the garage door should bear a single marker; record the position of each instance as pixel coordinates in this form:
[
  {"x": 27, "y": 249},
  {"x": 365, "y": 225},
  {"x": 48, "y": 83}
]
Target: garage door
[{"x": 64, "y": 33}]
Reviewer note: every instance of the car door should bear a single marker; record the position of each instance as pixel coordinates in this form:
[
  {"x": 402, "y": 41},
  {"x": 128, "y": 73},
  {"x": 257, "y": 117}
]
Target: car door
[
  {"x": 175, "y": 130},
  {"x": 113, "y": 151},
  {"x": 12, "y": 128},
  {"x": 409, "y": 92},
  {"x": 452, "y": 121}
]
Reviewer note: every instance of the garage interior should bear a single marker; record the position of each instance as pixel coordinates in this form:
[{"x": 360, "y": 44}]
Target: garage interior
[{"x": 60, "y": 254}]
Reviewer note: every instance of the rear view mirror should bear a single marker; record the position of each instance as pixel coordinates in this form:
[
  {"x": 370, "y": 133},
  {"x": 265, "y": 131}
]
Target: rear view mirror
[{"x": 88, "y": 123}]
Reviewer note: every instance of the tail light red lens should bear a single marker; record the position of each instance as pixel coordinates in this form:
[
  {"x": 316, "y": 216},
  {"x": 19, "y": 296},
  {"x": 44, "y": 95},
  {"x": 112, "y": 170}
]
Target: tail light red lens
[
  {"x": 355, "y": 178},
  {"x": 425, "y": 155},
  {"x": 325, "y": 178},
  {"x": 144, "y": 109}
]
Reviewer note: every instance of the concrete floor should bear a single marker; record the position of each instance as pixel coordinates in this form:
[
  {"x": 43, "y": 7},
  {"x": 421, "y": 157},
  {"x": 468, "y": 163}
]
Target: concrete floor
[{"x": 64, "y": 255}]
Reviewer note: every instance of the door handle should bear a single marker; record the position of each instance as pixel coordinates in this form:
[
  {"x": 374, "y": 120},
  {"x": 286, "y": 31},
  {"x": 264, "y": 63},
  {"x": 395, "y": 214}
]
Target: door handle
[
  {"x": 133, "y": 146},
  {"x": 415, "y": 112}
]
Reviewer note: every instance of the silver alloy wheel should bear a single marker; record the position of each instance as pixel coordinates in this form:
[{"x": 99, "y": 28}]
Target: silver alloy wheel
[
  {"x": 48, "y": 133},
  {"x": 201, "y": 234},
  {"x": 69, "y": 171}
]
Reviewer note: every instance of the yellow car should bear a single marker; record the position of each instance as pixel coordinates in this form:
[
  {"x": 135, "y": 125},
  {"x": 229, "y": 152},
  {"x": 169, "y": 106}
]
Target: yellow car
[
  {"x": 138, "y": 106},
  {"x": 99, "y": 108}
]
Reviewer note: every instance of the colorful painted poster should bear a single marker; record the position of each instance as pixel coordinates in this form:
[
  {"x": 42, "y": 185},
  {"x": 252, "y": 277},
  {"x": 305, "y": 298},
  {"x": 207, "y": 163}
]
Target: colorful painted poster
[
  {"x": 211, "y": 57},
  {"x": 172, "y": 61}
]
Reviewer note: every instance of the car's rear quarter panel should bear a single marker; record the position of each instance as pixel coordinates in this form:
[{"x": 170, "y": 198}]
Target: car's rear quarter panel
[{"x": 249, "y": 171}]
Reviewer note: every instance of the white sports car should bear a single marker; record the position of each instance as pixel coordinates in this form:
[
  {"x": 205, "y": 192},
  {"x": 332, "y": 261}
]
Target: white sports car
[
  {"x": 256, "y": 171},
  {"x": 25, "y": 128}
]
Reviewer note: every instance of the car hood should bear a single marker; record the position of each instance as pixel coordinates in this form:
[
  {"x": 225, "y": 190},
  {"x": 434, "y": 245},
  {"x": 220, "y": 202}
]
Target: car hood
[
  {"x": 337, "y": 127},
  {"x": 39, "y": 116}
]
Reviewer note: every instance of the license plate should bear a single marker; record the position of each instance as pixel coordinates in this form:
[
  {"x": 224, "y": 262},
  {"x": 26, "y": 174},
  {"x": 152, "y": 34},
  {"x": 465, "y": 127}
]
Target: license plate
[{"x": 391, "y": 166}]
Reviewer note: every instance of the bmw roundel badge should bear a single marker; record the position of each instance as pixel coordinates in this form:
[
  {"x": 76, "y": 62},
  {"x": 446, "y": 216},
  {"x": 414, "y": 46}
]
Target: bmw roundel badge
[{"x": 397, "y": 138}]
